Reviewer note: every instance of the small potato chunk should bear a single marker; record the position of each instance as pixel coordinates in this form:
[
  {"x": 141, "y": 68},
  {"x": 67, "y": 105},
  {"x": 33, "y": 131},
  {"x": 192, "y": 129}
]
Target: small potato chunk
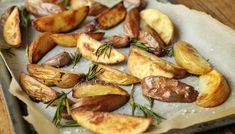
[
  {"x": 188, "y": 57},
  {"x": 94, "y": 88},
  {"x": 168, "y": 90},
  {"x": 40, "y": 46},
  {"x": 11, "y": 29},
  {"x": 51, "y": 76},
  {"x": 111, "y": 17},
  {"x": 70, "y": 39},
  {"x": 108, "y": 123},
  {"x": 115, "y": 76},
  {"x": 88, "y": 46},
  {"x": 61, "y": 22},
  {"x": 213, "y": 88},
  {"x": 142, "y": 64},
  {"x": 160, "y": 23},
  {"x": 36, "y": 90}
]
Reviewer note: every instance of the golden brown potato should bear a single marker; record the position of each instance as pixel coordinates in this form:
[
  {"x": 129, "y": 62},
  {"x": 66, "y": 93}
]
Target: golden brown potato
[
  {"x": 96, "y": 8},
  {"x": 160, "y": 23},
  {"x": 61, "y": 22},
  {"x": 94, "y": 88},
  {"x": 11, "y": 29},
  {"x": 74, "y": 4},
  {"x": 108, "y": 123},
  {"x": 213, "y": 89},
  {"x": 51, "y": 76},
  {"x": 88, "y": 46},
  {"x": 70, "y": 39},
  {"x": 111, "y": 17},
  {"x": 36, "y": 90},
  {"x": 115, "y": 76},
  {"x": 40, "y": 46},
  {"x": 6, "y": 14},
  {"x": 142, "y": 64},
  {"x": 188, "y": 57}
]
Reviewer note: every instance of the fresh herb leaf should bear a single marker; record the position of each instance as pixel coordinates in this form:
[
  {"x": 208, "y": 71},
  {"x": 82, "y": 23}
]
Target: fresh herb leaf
[
  {"x": 92, "y": 72},
  {"x": 150, "y": 100},
  {"x": 104, "y": 50},
  {"x": 63, "y": 2},
  {"x": 75, "y": 58},
  {"x": 70, "y": 124},
  {"x": 132, "y": 101},
  {"x": 169, "y": 51},
  {"x": 7, "y": 51},
  {"x": 24, "y": 17},
  {"x": 139, "y": 44},
  {"x": 27, "y": 50}
]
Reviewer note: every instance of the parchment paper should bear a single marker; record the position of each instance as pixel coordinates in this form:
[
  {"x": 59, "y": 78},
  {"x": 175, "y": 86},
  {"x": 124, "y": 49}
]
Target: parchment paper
[{"x": 211, "y": 38}]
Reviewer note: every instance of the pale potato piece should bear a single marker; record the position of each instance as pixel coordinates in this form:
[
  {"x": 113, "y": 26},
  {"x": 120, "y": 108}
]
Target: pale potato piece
[
  {"x": 40, "y": 46},
  {"x": 94, "y": 88},
  {"x": 87, "y": 47},
  {"x": 51, "y": 76},
  {"x": 11, "y": 29},
  {"x": 115, "y": 76},
  {"x": 6, "y": 14},
  {"x": 61, "y": 22},
  {"x": 108, "y": 123},
  {"x": 188, "y": 57},
  {"x": 213, "y": 88},
  {"x": 159, "y": 22},
  {"x": 74, "y": 4},
  {"x": 142, "y": 64}
]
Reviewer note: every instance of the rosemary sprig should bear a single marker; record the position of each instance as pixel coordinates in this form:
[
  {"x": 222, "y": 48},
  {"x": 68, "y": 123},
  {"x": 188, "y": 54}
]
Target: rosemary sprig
[
  {"x": 27, "y": 50},
  {"x": 7, "y": 51},
  {"x": 169, "y": 51},
  {"x": 150, "y": 100},
  {"x": 139, "y": 44},
  {"x": 71, "y": 123},
  {"x": 24, "y": 17},
  {"x": 63, "y": 2},
  {"x": 75, "y": 58},
  {"x": 104, "y": 50},
  {"x": 92, "y": 72}
]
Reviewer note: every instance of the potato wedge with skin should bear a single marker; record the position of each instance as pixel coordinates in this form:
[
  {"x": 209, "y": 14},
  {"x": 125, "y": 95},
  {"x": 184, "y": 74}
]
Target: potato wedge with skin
[
  {"x": 115, "y": 76},
  {"x": 36, "y": 90},
  {"x": 112, "y": 16},
  {"x": 160, "y": 23},
  {"x": 142, "y": 64},
  {"x": 188, "y": 57},
  {"x": 96, "y": 8},
  {"x": 108, "y": 123},
  {"x": 70, "y": 39},
  {"x": 87, "y": 47},
  {"x": 40, "y": 46},
  {"x": 213, "y": 88},
  {"x": 51, "y": 76},
  {"x": 6, "y": 14},
  {"x": 11, "y": 29},
  {"x": 68, "y": 20},
  {"x": 94, "y": 88}
]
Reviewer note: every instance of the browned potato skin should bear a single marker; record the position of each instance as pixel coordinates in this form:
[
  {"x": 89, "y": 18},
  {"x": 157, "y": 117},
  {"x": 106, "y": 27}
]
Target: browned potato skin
[
  {"x": 168, "y": 90},
  {"x": 51, "y": 76},
  {"x": 96, "y": 8},
  {"x": 111, "y": 17},
  {"x": 6, "y": 14},
  {"x": 131, "y": 23},
  {"x": 36, "y": 90},
  {"x": 40, "y": 46}
]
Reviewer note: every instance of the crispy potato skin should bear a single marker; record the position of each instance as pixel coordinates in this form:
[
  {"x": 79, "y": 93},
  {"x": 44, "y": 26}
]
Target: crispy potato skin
[
  {"x": 40, "y": 46},
  {"x": 112, "y": 16},
  {"x": 11, "y": 28},
  {"x": 115, "y": 76},
  {"x": 6, "y": 14},
  {"x": 168, "y": 90},
  {"x": 97, "y": 8},
  {"x": 116, "y": 123},
  {"x": 188, "y": 57},
  {"x": 160, "y": 23},
  {"x": 51, "y": 76},
  {"x": 87, "y": 47},
  {"x": 69, "y": 20},
  {"x": 213, "y": 88},
  {"x": 36, "y": 89},
  {"x": 94, "y": 88},
  {"x": 70, "y": 39},
  {"x": 142, "y": 64}
]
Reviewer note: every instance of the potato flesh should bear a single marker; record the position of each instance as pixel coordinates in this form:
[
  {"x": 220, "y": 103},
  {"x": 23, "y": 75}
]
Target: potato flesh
[{"x": 188, "y": 57}]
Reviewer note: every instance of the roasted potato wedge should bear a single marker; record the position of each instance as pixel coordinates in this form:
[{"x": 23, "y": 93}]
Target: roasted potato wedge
[
  {"x": 100, "y": 103},
  {"x": 40, "y": 46},
  {"x": 142, "y": 64},
  {"x": 51, "y": 76},
  {"x": 107, "y": 123},
  {"x": 88, "y": 46},
  {"x": 168, "y": 90},
  {"x": 94, "y": 88},
  {"x": 160, "y": 23},
  {"x": 96, "y": 8},
  {"x": 6, "y": 14},
  {"x": 70, "y": 39},
  {"x": 188, "y": 57},
  {"x": 111, "y": 17},
  {"x": 115, "y": 76},
  {"x": 213, "y": 88},
  {"x": 36, "y": 90},
  {"x": 68, "y": 20},
  {"x": 74, "y": 4},
  {"x": 11, "y": 29}
]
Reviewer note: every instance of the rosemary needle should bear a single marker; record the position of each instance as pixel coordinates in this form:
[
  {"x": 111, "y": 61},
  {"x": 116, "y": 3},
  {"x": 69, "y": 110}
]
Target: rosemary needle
[
  {"x": 75, "y": 58},
  {"x": 104, "y": 50},
  {"x": 7, "y": 51},
  {"x": 150, "y": 100}
]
